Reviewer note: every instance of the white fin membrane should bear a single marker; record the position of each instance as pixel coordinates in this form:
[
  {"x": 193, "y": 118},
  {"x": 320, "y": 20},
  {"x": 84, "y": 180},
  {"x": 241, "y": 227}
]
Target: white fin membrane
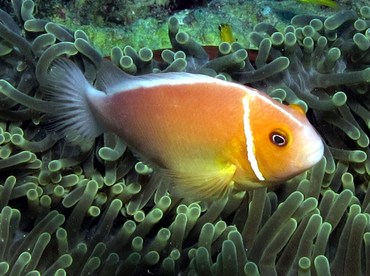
[
  {"x": 66, "y": 86},
  {"x": 109, "y": 77},
  {"x": 112, "y": 80}
]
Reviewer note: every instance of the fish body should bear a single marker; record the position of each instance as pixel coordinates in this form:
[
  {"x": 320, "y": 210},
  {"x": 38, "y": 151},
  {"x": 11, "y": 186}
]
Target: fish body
[
  {"x": 226, "y": 33},
  {"x": 209, "y": 136},
  {"x": 327, "y": 3}
]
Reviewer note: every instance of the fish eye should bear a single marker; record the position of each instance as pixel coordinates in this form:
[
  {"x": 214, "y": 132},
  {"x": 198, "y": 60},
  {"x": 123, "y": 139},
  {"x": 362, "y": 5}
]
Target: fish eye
[{"x": 278, "y": 138}]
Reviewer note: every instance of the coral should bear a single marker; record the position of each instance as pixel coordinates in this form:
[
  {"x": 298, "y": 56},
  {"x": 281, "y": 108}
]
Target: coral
[{"x": 92, "y": 208}]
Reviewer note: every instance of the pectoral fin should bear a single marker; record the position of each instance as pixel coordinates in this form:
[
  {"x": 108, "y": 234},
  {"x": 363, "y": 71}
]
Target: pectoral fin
[{"x": 205, "y": 185}]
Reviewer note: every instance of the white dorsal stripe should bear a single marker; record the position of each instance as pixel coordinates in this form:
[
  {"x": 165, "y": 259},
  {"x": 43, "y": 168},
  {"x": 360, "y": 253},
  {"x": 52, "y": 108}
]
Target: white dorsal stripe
[
  {"x": 250, "y": 141},
  {"x": 181, "y": 78},
  {"x": 169, "y": 79}
]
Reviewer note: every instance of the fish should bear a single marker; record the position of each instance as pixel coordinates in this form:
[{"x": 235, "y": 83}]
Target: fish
[
  {"x": 208, "y": 136},
  {"x": 327, "y": 3},
  {"x": 226, "y": 33}
]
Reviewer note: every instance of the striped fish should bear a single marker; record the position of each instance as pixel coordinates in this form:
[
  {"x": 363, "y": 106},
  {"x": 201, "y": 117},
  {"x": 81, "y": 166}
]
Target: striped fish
[{"x": 208, "y": 135}]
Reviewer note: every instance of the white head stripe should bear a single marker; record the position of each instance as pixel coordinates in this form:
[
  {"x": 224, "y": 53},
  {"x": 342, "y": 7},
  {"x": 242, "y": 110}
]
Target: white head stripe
[
  {"x": 249, "y": 140},
  {"x": 273, "y": 104}
]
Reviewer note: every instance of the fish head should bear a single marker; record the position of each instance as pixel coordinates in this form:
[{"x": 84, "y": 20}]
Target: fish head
[{"x": 284, "y": 142}]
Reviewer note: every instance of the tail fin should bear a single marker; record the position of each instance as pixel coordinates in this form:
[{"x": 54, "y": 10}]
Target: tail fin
[{"x": 66, "y": 86}]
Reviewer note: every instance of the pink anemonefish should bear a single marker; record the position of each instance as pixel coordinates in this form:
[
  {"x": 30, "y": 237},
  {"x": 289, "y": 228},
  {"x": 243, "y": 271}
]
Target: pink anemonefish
[{"x": 208, "y": 135}]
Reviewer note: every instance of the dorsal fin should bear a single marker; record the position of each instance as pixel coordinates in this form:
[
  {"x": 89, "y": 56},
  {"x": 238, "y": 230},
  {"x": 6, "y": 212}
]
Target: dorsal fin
[
  {"x": 112, "y": 79},
  {"x": 110, "y": 76}
]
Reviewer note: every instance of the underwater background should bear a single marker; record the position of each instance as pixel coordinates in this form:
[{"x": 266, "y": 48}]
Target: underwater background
[{"x": 93, "y": 209}]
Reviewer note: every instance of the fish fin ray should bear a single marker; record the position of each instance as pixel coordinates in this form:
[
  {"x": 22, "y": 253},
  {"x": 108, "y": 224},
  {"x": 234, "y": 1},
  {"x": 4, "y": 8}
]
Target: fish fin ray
[
  {"x": 110, "y": 78},
  {"x": 66, "y": 87},
  {"x": 207, "y": 185}
]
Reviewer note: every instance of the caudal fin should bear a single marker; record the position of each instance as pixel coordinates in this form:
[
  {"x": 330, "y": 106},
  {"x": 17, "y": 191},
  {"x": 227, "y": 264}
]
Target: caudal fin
[{"x": 66, "y": 86}]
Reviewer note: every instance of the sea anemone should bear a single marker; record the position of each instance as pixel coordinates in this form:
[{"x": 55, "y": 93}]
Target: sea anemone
[{"x": 92, "y": 208}]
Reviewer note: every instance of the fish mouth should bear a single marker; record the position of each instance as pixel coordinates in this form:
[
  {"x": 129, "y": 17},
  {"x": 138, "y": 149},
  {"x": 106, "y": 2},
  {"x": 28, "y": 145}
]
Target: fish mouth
[
  {"x": 301, "y": 163},
  {"x": 315, "y": 156},
  {"x": 308, "y": 162}
]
